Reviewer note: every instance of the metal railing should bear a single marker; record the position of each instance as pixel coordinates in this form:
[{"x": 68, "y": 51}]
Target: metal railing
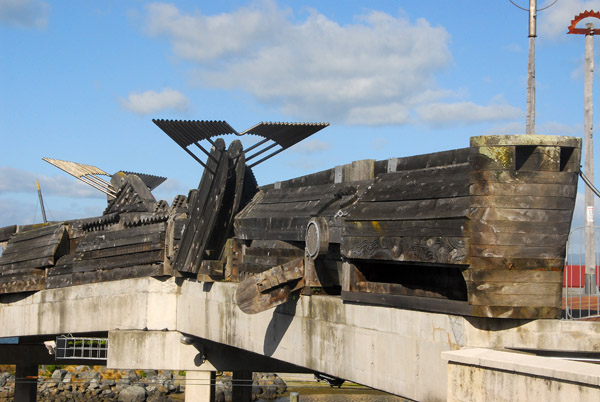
[
  {"x": 68, "y": 347},
  {"x": 577, "y": 302}
]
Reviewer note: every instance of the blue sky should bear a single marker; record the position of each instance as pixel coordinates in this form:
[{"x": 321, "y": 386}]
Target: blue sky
[{"x": 81, "y": 81}]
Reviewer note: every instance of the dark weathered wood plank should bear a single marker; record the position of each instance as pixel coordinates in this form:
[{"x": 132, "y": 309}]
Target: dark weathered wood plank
[
  {"x": 518, "y": 240},
  {"x": 59, "y": 281},
  {"x": 33, "y": 254},
  {"x": 525, "y": 312},
  {"x": 197, "y": 207},
  {"x": 138, "y": 271},
  {"x": 523, "y": 202},
  {"x": 22, "y": 283},
  {"x": 43, "y": 245},
  {"x": 521, "y": 215},
  {"x": 273, "y": 252},
  {"x": 36, "y": 263},
  {"x": 458, "y": 227},
  {"x": 506, "y": 226},
  {"x": 142, "y": 258},
  {"x": 444, "y": 158},
  {"x": 503, "y": 264},
  {"x": 6, "y": 232},
  {"x": 41, "y": 231},
  {"x": 206, "y": 218},
  {"x": 410, "y": 302},
  {"x": 99, "y": 243},
  {"x": 515, "y": 276},
  {"x": 514, "y": 300},
  {"x": 549, "y": 190},
  {"x": 308, "y": 193},
  {"x": 520, "y": 177},
  {"x": 399, "y": 191},
  {"x": 270, "y": 288},
  {"x": 411, "y": 210},
  {"x": 441, "y": 250},
  {"x": 108, "y": 236},
  {"x": 128, "y": 249}
]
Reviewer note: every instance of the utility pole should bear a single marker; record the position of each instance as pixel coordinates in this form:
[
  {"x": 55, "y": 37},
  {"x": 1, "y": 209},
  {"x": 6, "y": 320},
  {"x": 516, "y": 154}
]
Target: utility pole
[
  {"x": 590, "y": 243},
  {"x": 530, "y": 118},
  {"x": 530, "y": 122},
  {"x": 590, "y": 286}
]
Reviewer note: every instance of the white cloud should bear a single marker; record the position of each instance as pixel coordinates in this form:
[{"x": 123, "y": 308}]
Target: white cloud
[
  {"x": 150, "y": 102},
  {"x": 311, "y": 146},
  {"x": 23, "y": 181},
  {"x": 24, "y": 13},
  {"x": 368, "y": 72},
  {"x": 466, "y": 113},
  {"x": 554, "y": 21}
]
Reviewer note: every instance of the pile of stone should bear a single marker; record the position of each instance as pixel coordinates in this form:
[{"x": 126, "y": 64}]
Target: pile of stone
[
  {"x": 265, "y": 386},
  {"x": 83, "y": 384}
]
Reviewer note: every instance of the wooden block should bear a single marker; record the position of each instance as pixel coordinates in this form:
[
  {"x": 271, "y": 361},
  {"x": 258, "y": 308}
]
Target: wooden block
[
  {"x": 492, "y": 158},
  {"x": 537, "y": 158},
  {"x": 523, "y": 312},
  {"x": 6, "y": 232},
  {"x": 515, "y": 264},
  {"x": 410, "y": 210},
  {"x": 454, "y": 307},
  {"x": 211, "y": 270},
  {"x": 440, "y": 250},
  {"x": 458, "y": 227}
]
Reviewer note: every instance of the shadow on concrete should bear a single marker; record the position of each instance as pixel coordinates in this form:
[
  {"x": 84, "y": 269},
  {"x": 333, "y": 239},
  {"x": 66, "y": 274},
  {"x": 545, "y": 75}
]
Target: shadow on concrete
[
  {"x": 280, "y": 322},
  {"x": 496, "y": 324}
]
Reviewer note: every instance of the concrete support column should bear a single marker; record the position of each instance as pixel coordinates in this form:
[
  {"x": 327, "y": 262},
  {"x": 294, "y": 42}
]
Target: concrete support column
[
  {"x": 26, "y": 383},
  {"x": 242, "y": 386},
  {"x": 199, "y": 386}
]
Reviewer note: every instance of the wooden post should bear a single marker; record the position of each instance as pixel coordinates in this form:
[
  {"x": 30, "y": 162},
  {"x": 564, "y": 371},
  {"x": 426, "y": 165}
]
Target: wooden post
[
  {"x": 530, "y": 124},
  {"x": 590, "y": 247}
]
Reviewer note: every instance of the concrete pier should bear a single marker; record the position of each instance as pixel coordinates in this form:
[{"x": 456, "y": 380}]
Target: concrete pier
[{"x": 394, "y": 350}]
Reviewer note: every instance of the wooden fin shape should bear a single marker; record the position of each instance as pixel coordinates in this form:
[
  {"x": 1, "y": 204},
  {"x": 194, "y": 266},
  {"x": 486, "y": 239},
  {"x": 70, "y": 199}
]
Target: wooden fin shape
[{"x": 270, "y": 288}]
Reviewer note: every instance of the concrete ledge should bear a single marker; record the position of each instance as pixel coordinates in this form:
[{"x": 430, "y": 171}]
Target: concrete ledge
[{"x": 485, "y": 374}]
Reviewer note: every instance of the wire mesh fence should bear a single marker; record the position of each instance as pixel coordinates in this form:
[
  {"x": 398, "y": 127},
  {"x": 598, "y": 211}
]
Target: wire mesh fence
[{"x": 581, "y": 301}]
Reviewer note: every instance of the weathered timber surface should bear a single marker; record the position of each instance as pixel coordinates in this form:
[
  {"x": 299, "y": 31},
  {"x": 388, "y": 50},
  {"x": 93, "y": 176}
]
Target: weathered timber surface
[
  {"x": 204, "y": 211},
  {"x": 270, "y": 288},
  {"x": 411, "y": 302},
  {"x": 439, "y": 208},
  {"x": 442, "y": 250},
  {"x": 32, "y": 281},
  {"x": 36, "y": 248},
  {"x": 458, "y": 227},
  {"x": 6, "y": 232}
]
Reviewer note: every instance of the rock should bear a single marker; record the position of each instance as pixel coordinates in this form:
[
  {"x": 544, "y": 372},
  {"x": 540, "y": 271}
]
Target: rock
[
  {"x": 58, "y": 375},
  {"x": 132, "y": 376},
  {"x": 67, "y": 378},
  {"x": 280, "y": 384},
  {"x": 134, "y": 393},
  {"x": 94, "y": 384},
  {"x": 158, "y": 398}
]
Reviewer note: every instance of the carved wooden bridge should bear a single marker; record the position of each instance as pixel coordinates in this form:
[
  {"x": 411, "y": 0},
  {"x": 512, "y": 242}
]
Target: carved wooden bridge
[{"x": 355, "y": 264}]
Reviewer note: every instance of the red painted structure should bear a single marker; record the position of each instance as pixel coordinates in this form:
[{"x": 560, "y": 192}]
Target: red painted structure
[{"x": 574, "y": 276}]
